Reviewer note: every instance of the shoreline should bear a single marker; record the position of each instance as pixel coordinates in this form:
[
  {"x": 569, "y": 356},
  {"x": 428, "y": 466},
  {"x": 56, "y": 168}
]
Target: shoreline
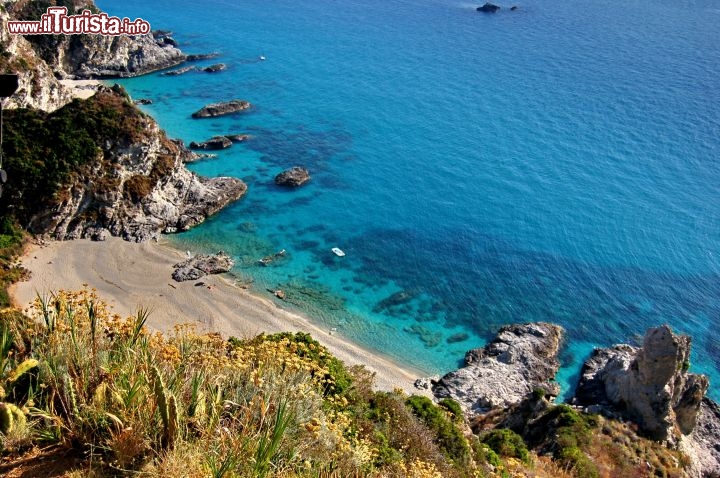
[{"x": 129, "y": 275}]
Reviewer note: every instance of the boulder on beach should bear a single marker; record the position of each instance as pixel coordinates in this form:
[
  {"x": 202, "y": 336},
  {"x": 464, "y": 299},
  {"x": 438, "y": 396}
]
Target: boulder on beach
[
  {"x": 488, "y": 8},
  {"x": 222, "y": 109},
  {"x": 293, "y": 177},
  {"x": 214, "y": 143},
  {"x": 202, "y": 265}
]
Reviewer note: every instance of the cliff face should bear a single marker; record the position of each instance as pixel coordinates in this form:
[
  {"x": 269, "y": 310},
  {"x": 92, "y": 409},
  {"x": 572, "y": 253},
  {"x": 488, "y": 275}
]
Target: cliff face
[
  {"x": 97, "y": 56},
  {"x": 650, "y": 384},
  {"x": 136, "y": 187},
  {"x": 38, "y": 87},
  {"x": 520, "y": 359}
]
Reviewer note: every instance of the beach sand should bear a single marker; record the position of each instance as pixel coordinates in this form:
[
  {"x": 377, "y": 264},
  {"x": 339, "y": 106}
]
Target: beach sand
[
  {"x": 128, "y": 275},
  {"x": 82, "y": 89}
]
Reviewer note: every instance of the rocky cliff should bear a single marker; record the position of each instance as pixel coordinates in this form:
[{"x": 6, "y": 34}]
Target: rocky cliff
[
  {"x": 650, "y": 384},
  {"x": 38, "y": 87},
  {"x": 97, "y": 56},
  {"x": 134, "y": 184},
  {"x": 519, "y": 360}
]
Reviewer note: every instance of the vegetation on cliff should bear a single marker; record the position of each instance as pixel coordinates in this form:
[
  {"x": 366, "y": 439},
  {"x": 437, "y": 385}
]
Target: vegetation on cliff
[{"x": 91, "y": 392}]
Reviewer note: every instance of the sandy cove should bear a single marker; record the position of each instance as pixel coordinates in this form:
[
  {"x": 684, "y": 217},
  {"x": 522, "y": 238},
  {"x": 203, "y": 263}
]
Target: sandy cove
[{"x": 128, "y": 275}]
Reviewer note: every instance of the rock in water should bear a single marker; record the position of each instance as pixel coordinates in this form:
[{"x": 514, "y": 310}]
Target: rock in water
[
  {"x": 202, "y": 265},
  {"x": 221, "y": 109},
  {"x": 488, "y": 8},
  {"x": 215, "y": 68},
  {"x": 650, "y": 384},
  {"x": 179, "y": 71},
  {"x": 293, "y": 177},
  {"x": 519, "y": 360},
  {"x": 214, "y": 143}
]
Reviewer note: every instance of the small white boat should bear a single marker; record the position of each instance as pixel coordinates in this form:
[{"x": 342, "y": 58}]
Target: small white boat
[
  {"x": 262, "y": 57},
  {"x": 338, "y": 252}
]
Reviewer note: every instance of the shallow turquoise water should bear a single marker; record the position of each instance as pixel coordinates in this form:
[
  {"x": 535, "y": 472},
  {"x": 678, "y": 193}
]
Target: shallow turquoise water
[{"x": 557, "y": 163}]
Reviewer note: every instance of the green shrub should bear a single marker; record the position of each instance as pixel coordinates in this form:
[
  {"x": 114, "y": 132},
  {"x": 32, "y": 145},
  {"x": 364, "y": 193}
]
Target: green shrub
[
  {"x": 450, "y": 439},
  {"x": 453, "y": 407},
  {"x": 507, "y": 443}
]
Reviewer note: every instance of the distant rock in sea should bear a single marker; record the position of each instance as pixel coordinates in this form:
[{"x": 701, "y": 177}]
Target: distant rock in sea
[
  {"x": 488, "y": 8},
  {"x": 238, "y": 138},
  {"x": 215, "y": 68},
  {"x": 179, "y": 71},
  {"x": 143, "y": 101},
  {"x": 293, "y": 177},
  {"x": 222, "y": 109},
  {"x": 214, "y": 143},
  {"x": 202, "y": 56}
]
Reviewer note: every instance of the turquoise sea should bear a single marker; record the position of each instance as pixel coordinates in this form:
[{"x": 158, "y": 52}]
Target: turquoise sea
[{"x": 560, "y": 162}]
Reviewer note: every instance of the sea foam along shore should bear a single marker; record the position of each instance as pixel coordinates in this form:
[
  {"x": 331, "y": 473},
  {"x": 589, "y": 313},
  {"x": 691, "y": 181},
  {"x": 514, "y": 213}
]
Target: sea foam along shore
[{"x": 128, "y": 275}]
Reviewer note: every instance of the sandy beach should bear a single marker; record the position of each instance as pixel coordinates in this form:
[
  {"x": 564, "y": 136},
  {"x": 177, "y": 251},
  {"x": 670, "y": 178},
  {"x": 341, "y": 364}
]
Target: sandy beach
[
  {"x": 82, "y": 89},
  {"x": 128, "y": 275}
]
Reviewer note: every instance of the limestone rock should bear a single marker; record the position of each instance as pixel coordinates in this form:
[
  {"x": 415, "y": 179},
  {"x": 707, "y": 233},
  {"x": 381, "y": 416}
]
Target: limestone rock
[
  {"x": 703, "y": 444},
  {"x": 649, "y": 384},
  {"x": 214, "y": 143},
  {"x": 202, "y": 265},
  {"x": 238, "y": 138},
  {"x": 221, "y": 109},
  {"x": 520, "y": 359},
  {"x": 293, "y": 177},
  {"x": 137, "y": 187}
]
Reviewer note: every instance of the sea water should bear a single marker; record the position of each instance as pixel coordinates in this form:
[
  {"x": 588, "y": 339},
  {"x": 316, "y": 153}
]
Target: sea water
[{"x": 556, "y": 163}]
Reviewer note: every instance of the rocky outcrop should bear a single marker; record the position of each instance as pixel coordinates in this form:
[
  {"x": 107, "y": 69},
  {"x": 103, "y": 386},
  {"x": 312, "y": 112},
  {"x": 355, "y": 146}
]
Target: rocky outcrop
[
  {"x": 202, "y": 265},
  {"x": 215, "y": 68},
  {"x": 143, "y": 101},
  {"x": 214, "y": 143},
  {"x": 519, "y": 360},
  {"x": 98, "y": 56},
  {"x": 293, "y": 177},
  {"x": 703, "y": 444},
  {"x": 488, "y": 8},
  {"x": 650, "y": 384},
  {"x": 137, "y": 187},
  {"x": 222, "y": 109}
]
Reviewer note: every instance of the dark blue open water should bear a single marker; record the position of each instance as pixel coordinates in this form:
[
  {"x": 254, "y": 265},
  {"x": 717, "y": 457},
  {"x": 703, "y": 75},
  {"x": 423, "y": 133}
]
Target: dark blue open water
[{"x": 557, "y": 163}]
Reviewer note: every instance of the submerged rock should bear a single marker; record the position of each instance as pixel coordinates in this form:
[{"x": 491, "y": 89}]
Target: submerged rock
[
  {"x": 214, "y": 143},
  {"x": 519, "y": 360},
  {"x": 179, "y": 71},
  {"x": 650, "y": 384},
  {"x": 202, "y": 56},
  {"x": 238, "y": 138},
  {"x": 221, "y": 109},
  {"x": 488, "y": 8},
  {"x": 202, "y": 265},
  {"x": 293, "y": 177}
]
